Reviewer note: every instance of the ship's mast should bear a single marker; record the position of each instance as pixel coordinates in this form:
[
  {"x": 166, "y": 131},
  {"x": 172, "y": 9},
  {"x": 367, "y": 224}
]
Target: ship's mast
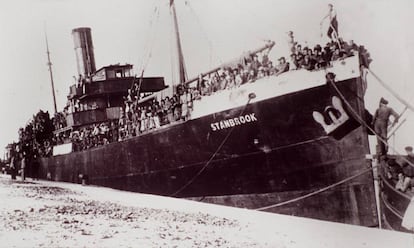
[
  {"x": 49, "y": 64},
  {"x": 181, "y": 64}
]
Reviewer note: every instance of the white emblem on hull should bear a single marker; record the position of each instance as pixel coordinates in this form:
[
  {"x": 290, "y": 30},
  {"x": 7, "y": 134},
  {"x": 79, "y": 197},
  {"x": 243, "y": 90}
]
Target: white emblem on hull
[{"x": 336, "y": 114}]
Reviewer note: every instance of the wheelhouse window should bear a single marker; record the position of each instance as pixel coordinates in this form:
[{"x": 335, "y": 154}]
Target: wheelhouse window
[{"x": 118, "y": 73}]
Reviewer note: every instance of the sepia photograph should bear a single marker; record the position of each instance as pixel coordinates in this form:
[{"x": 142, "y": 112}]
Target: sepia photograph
[{"x": 194, "y": 123}]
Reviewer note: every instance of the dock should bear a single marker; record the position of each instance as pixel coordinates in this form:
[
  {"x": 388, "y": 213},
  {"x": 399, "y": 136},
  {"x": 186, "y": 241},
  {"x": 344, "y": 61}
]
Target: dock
[{"x": 56, "y": 214}]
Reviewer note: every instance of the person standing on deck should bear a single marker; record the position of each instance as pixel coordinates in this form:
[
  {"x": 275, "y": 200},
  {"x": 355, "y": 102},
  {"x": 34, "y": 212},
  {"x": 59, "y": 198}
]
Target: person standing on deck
[
  {"x": 380, "y": 123},
  {"x": 333, "y": 23},
  {"x": 408, "y": 169},
  {"x": 185, "y": 99},
  {"x": 291, "y": 42}
]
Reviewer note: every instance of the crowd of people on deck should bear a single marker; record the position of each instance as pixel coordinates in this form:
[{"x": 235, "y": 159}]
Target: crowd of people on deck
[
  {"x": 320, "y": 57},
  {"x": 59, "y": 120},
  {"x": 136, "y": 119},
  {"x": 94, "y": 136},
  {"x": 232, "y": 77}
]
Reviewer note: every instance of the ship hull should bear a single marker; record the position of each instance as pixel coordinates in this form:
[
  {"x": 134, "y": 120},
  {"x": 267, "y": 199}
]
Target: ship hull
[{"x": 273, "y": 150}]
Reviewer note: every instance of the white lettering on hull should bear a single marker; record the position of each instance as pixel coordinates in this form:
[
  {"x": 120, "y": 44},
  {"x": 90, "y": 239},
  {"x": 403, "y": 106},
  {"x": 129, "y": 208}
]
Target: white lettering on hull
[{"x": 240, "y": 120}]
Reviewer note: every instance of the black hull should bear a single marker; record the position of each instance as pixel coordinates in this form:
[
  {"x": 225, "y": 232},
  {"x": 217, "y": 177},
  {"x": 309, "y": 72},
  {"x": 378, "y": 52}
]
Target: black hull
[{"x": 280, "y": 154}]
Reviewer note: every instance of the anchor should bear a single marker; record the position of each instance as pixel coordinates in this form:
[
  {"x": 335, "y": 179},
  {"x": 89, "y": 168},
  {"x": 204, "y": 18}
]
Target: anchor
[{"x": 335, "y": 120}]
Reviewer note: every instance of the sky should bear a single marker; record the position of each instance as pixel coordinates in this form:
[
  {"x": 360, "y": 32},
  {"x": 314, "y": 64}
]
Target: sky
[{"x": 214, "y": 31}]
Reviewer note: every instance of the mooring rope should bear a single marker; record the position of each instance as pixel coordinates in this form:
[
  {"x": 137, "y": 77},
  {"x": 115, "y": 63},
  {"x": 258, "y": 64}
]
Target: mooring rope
[
  {"x": 404, "y": 102},
  {"x": 362, "y": 122},
  {"x": 315, "y": 192},
  {"x": 213, "y": 155}
]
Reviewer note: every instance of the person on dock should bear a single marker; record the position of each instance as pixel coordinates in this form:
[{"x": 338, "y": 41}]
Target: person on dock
[
  {"x": 35, "y": 167},
  {"x": 23, "y": 168},
  {"x": 13, "y": 167},
  {"x": 380, "y": 123}
]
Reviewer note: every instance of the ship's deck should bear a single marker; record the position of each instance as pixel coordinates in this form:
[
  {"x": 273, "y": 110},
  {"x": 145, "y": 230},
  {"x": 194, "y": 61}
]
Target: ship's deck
[{"x": 274, "y": 86}]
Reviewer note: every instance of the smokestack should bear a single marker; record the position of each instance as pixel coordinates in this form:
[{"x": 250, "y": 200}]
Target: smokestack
[{"x": 85, "y": 58}]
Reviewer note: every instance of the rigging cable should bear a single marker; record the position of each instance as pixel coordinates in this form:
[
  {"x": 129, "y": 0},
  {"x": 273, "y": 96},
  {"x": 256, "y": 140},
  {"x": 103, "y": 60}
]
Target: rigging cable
[
  {"x": 362, "y": 122},
  {"x": 269, "y": 26},
  {"x": 251, "y": 96},
  {"x": 396, "y": 128},
  {"x": 151, "y": 38},
  {"x": 392, "y": 91},
  {"x": 148, "y": 46},
  {"x": 210, "y": 44},
  {"x": 172, "y": 56},
  {"x": 315, "y": 192},
  {"x": 147, "y": 40}
]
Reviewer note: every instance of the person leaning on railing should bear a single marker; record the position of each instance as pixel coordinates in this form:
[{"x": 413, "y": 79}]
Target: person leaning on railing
[
  {"x": 282, "y": 67},
  {"x": 406, "y": 178},
  {"x": 319, "y": 57}
]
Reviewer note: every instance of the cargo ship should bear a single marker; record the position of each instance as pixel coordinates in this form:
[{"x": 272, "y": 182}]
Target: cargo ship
[{"x": 271, "y": 140}]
